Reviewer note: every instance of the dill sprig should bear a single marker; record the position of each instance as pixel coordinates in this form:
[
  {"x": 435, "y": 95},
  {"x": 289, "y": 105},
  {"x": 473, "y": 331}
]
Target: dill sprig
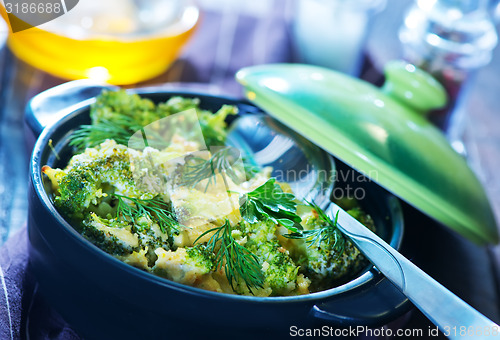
[
  {"x": 328, "y": 235},
  {"x": 221, "y": 162},
  {"x": 269, "y": 201},
  {"x": 155, "y": 209},
  {"x": 237, "y": 261},
  {"x": 120, "y": 129}
]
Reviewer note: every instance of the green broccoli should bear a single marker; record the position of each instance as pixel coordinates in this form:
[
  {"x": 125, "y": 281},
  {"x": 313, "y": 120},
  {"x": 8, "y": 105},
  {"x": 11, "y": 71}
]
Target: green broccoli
[
  {"x": 113, "y": 236},
  {"x": 199, "y": 256},
  {"x": 257, "y": 233},
  {"x": 118, "y": 115},
  {"x": 75, "y": 192},
  {"x": 184, "y": 265},
  {"x": 116, "y": 105},
  {"x": 80, "y": 190},
  {"x": 324, "y": 264},
  {"x": 280, "y": 272},
  {"x": 327, "y": 263},
  {"x": 151, "y": 237}
]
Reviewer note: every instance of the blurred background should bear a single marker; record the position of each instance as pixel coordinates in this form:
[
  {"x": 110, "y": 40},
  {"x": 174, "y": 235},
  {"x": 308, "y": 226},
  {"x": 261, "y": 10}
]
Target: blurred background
[{"x": 201, "y": 44}]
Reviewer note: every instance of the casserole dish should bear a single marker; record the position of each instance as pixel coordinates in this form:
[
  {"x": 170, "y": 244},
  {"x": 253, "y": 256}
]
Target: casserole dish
[{"x": 101, "y": 297}]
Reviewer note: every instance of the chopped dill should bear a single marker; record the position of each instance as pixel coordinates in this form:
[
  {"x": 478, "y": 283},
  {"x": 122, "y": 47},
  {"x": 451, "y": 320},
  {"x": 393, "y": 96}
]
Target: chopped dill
[
  {"x": 328, "y": 235},
  {"x": 237, "y": 261},
  {"x": 155, "y": 209}
]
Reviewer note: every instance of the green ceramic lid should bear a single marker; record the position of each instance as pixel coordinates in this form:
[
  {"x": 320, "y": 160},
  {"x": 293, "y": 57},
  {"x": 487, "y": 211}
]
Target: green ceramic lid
[{"x": 383, "y": 133}]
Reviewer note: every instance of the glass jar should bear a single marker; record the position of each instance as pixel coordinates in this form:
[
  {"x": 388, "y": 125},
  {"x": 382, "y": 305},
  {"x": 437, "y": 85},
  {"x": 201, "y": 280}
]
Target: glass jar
[{"x": 450, "y": 39}]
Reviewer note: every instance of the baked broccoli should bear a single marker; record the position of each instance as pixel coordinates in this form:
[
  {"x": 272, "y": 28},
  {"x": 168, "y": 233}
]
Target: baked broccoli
[
  {"x": 280, "y": 272},
  {"x": 89, "y": 179},
  {"x": 328, "y": 262},
  {"x": 118, "y": 115},
  {"x": 151, "y": 237},
  {"x": 184, "y": 265},
  {"x": 113, "y": 236},
  {"x": 199, "y": 256},
  {"x": 118, "y": 105},
  {"x": 120, "y": 237},
  {"x": 131, "y": 203}
]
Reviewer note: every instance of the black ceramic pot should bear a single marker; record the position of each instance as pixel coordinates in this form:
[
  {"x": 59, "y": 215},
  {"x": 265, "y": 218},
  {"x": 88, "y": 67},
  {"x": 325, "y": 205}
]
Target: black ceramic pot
[{"x": 103, "y": 298}]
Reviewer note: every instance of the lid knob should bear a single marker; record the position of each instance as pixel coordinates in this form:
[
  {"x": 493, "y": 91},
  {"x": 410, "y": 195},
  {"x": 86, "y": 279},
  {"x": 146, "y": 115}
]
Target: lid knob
[{"x": 413, "y": 87}]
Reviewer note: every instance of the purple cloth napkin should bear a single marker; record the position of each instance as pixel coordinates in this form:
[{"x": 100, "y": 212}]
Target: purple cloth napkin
[
  {"x": 13, "y": 262},
  {"x": 23, "y": 313}
]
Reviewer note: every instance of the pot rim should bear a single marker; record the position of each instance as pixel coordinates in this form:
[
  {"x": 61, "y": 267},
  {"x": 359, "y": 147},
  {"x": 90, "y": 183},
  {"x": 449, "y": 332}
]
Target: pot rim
[{"x": 369, "y": 274}]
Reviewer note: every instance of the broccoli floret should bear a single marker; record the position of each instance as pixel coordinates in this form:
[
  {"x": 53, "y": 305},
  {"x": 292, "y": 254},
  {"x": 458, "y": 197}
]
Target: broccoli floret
[
  {"x": 76, "y": 189},
  {"x": 151, "y": 237},
  {"x": 280, "y": 272},
  {"x": 112, "y": 236},
  {"x": 184, "y": 265},
  {"x": 257, "y": 233},
  {"x": 120, "y": 237},
  {"x": 129, "y": 111},
  {"x": 84, "y": 185},
  {"x": 115, "y": 105},
  {"x": 327, "y": 263},
  {"x": 199, "y": 256}
]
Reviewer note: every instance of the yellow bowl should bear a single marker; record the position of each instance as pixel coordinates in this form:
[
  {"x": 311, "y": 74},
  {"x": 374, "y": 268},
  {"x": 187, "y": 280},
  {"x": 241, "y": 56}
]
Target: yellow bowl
[{"x": 113, "y": 59}]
